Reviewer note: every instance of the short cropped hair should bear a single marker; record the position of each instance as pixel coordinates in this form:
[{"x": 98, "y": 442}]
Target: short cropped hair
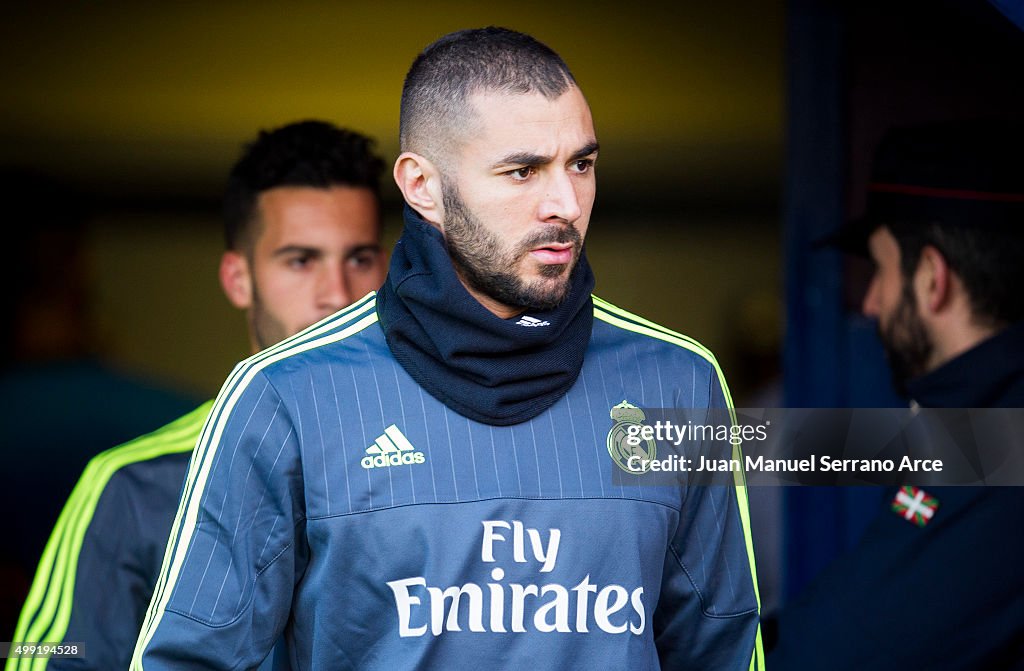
[
  {"x": 989, "y": 260},
  {"x": 449, "y": 71},
  {"x": 307, "y": 153}
]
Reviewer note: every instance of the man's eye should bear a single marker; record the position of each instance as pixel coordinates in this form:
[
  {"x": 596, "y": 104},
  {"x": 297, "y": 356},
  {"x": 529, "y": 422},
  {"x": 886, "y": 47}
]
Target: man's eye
[
  {"x": 299, "y": 262},
  {"x": 363, "y": 261},
  {"x": 583, "y": 165},
  {"x": 521, "y": 174}
]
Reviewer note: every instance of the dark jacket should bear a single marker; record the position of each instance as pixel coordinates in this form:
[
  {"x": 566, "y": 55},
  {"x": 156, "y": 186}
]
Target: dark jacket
[{"x": 949, "y": 595}]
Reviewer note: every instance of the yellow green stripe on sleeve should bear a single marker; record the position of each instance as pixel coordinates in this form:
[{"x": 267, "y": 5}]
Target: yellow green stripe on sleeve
[
  {"x": 47, "y": 611},
  {"x": 338, "y": 327},
  {"x": 616, "y": 316}
]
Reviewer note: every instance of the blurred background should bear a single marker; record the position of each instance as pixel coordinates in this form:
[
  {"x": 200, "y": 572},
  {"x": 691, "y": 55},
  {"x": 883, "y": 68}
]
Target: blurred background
[
  {"x": 144, "y": 109},
  {"x": 732, "y": 135},
  {"x": 120, "y": 121}
]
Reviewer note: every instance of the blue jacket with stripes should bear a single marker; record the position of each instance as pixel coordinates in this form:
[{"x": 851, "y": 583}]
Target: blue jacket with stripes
[
  {"x": 97, "y": 573},
  {"x": 331, "y": 498}
]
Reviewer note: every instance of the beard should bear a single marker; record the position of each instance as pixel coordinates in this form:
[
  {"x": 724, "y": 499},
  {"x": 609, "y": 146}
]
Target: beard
[
  {"x": 907, "y": 344},
  {"x": 266, "y": 329},
  {"x": 489, "y": 267}
]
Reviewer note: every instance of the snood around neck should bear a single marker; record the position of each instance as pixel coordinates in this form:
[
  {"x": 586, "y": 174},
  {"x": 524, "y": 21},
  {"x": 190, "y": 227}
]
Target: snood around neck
[{"x": 492, "y": 370}]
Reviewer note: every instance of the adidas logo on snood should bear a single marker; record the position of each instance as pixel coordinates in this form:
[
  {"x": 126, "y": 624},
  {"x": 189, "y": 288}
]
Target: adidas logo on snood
[{"x": 391, "y": 448}]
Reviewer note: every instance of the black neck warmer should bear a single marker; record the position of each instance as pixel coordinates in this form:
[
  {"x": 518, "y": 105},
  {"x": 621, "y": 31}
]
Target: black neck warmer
[{"x": 492, "y": 370}]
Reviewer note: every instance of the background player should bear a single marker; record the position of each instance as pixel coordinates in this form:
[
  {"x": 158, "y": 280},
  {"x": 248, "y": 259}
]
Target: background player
[
  {"x": 302, "y": 229},
  {"x": 369, "y": 485}
]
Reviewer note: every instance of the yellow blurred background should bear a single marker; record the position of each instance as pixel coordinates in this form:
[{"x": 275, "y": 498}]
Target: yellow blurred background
[{"x": 145, "y": 107}]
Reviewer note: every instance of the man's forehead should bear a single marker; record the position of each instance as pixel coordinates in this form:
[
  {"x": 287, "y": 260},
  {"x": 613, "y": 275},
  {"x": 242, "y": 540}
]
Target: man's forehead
[
  {"x": 329, "y": 199},
  {"x": 301, "y": 213},
  {"x": 501, "y": 121},
  {"x": 882, "y": 243},
  {"x": 529, "y": 107}
]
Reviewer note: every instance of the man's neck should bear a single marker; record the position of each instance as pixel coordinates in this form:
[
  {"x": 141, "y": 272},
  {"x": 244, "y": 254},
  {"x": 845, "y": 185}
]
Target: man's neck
[{"x": 953, "y": 340}]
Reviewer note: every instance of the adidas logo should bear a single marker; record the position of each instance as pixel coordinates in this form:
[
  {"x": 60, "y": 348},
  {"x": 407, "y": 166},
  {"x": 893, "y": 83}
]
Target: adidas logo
[
  {"x": 531, "y": 321},
  {"x": 391, "y": 448}
]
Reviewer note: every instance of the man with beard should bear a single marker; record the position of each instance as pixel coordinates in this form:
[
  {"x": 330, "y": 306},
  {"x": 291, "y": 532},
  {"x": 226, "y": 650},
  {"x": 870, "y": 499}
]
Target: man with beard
[
  {"x": 424, "y": 481},
  {"x": 302, "y": 227},
  {"x": 944, "y": 230}
]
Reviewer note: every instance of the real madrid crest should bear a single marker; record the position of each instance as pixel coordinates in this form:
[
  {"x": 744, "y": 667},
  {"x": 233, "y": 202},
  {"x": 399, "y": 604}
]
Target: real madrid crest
[{"x": 627, "y": 415}]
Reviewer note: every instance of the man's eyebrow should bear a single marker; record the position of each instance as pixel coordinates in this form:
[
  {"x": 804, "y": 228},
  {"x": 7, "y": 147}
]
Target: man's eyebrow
[
  {"x": 288, "y": 250},
  {"x": 375, "y": 248},
  {"x": 528, "y": 158},
  {"x": 295, "y": 249},
  {"x": 522, "y": 158},
  {"x": 585, "y": 151}
]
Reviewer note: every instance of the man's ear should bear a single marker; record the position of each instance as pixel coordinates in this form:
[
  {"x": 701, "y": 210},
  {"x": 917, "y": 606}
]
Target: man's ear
[
  {"x": 236, "y": 279},
  {"x": 420, "y": 183},
  {"x": 933, "y": 280}
]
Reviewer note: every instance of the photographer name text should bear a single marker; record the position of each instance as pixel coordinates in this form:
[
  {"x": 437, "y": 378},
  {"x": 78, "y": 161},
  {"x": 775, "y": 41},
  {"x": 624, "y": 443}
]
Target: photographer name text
[{"x": 811, "y": 464}]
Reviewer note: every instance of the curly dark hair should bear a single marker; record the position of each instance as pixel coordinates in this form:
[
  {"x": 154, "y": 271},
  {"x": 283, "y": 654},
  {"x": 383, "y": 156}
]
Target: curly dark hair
[{"x": 306, "y": 153}]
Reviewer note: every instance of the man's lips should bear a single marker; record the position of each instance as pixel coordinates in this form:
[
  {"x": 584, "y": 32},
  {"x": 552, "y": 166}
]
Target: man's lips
[{"x": 553, "y": 254}]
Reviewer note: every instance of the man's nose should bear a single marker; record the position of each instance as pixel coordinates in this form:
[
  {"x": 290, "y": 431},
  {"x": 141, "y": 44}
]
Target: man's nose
[
  {"x": 870, "y": 305},
  {"x": 561, "y": 200},
  {"x": 333, "y": 291}
]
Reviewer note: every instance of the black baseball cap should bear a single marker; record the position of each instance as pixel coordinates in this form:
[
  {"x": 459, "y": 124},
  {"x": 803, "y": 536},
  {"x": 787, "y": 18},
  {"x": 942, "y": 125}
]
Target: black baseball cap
[{"x": 968, "y": 173}]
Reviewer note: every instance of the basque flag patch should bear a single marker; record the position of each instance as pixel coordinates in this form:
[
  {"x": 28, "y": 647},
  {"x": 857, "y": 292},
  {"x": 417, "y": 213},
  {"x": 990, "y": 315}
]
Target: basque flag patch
[{"x": 915, "y": 505}]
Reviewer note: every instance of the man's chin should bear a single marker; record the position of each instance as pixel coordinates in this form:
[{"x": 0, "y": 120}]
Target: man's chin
[
  {"x": 555, "y": 271},
  {"x": 547, "y": 294},
  {"x": 532, "y": 290},
  {"x": 907, "y": 350}
]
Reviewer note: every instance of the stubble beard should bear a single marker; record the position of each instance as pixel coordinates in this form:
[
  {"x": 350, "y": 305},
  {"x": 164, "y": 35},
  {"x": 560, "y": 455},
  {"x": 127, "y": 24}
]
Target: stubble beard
[
  {"x": 908, "y": 346},
  {"x": 488, "y": 268},
  {"x": 266, "y": 329}
]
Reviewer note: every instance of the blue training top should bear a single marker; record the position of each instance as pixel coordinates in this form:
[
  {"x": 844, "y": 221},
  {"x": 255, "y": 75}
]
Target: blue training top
[{"x": 333, "y": 499}]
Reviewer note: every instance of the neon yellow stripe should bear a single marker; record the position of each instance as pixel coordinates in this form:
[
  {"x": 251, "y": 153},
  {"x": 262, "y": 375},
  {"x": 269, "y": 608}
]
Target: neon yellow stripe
[
  {"x": 178, "y": 436},
  {"x": 701, "y": 349},
  {"x": 54, "y": 583},
  {"x": 185, "y": 444},
  {"x": 656, "y": 331},
  {"x": 54, "y": 561},
  {"x": 40, "y": 582},
  {"x": 604, "y": 310},
  {"x": 325, "y": 325},
  {"x": 53, "y": 586},
  {"x": 87, "y": 493},
  {"x": 332, "y": 322},
  {"x": 342, "y": 316},
  {"x": 600, "y": 303},
  {"x": 757, "y": 656},
  {"x": 188, "y": 510}
]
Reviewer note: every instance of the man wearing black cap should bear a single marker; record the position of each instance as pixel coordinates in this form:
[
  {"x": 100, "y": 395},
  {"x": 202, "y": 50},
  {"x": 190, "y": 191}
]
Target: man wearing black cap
[{"x": 945, "y": 230}]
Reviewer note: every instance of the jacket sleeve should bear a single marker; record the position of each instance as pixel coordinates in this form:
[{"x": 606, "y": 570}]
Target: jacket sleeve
[
  {"x": 96, "y": 574},
  {"x": 48, "y": 614},
  {"x": 237, "y": 547},
  {"x": 114, "y": 582},
  {"x": 707, "y": 615}
]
